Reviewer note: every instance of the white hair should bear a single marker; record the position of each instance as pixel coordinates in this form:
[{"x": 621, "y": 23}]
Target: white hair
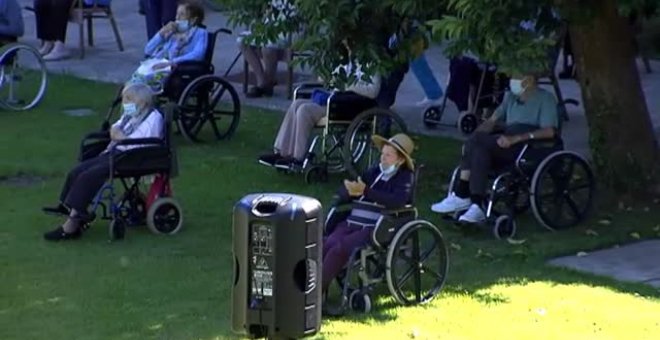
[{"x": 141, "y": 93}]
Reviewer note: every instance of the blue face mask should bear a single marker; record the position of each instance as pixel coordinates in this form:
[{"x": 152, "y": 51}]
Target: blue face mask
[
  {"x": 386, "y": 171},
  {"x": 516, "y": 87},
  {"x": 130, "y": 109},
  {"x": 182, "y": 25}
]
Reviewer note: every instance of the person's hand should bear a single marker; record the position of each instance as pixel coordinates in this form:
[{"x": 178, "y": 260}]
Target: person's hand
[
  {"x": 506, "y": 142},
  {"x": 353, "y": 188},
  {"x": 359, "y": 187},
  {"x": 168, "y": 29},
  {"x": 116, "y": 134}
]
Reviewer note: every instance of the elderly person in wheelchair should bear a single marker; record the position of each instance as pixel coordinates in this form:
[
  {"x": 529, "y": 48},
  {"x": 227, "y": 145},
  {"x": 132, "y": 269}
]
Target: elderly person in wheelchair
[
  {"x": 182, "y": 40},
  {"x": 387, "y": 185},
  {"x": 528, "y": 113},
  {"x": 139, "y": 120},
  {"x": 291, "y": 143}
]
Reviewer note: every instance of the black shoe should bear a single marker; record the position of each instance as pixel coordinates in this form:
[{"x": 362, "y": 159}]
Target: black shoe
[
  {"x": 58, "y": 210},
  {"x": 256, "y": 92},
  {"x": 270, "y": 159},
  {"x": 60, "y": 235}
]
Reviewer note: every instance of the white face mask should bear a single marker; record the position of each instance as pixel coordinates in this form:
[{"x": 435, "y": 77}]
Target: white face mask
[
  {"x": 516, "y": 87},
  {"x": 130, "y": 109},
  {"x": 182, "y": 25},
  {"x": 389, "y": 169}
]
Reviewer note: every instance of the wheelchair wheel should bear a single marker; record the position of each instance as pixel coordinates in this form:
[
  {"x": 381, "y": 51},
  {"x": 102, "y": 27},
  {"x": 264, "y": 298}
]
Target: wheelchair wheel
[
  {"x": 432, "y": 116},
  {"x": 417, "y": 263},
  {"x": 358, "y": 151},
  {"x": 133, "y": 209},
  {"x": 467, "y": 122},
  {"x": 504, "y": 227},
  {"x": 360, "y": 301},
  {"x": 165, "y": 216},
  {"x": 23, "y": 77},
  {"x": 208, "y": 99},
  {"x": 562, "y": 190},
  {"x": 315, "y": 174}
]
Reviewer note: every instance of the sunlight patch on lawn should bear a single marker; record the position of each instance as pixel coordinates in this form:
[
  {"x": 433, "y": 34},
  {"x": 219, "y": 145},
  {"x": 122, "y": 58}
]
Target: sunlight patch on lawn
[{"x": 521, "y": 311}]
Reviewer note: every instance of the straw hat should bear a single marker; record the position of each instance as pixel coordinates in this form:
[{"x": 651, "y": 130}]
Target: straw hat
[{"x": 401, "y": 142}]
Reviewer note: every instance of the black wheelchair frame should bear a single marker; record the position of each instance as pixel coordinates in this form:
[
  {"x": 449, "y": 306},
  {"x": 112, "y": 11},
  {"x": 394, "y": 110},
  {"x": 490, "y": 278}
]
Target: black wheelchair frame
[
  {"x": 203, "y": 98},
  {"x": 396, "y": 240},
  {"x": 546, "y": 178},
  {"x": 152, "y": 156}
]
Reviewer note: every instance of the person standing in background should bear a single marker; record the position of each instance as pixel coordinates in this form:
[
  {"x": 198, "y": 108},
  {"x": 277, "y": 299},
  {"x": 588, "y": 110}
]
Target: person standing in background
[
  {"x": 11, "y": 21},
  {"x": 158, "y": 13}
]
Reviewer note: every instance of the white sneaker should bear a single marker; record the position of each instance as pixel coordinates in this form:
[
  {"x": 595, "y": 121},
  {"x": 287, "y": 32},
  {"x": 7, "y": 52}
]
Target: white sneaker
[
  {"x": 474, "y": 215},
  {"x": 58, "y": 52},
  {"x": 429, "y": 102},
  {"x": 450, "y": 204}
]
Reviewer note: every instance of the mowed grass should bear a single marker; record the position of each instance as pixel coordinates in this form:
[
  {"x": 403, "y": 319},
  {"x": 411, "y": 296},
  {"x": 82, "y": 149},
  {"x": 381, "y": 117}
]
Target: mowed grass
[{"x": 156, "y": 287}]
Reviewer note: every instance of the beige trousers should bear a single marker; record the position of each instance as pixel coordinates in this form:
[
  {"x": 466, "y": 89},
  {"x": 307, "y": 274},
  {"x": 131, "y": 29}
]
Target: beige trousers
[{"x": 293, "y": 137}]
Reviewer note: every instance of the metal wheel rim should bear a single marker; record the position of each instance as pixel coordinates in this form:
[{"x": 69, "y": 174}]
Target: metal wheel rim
[
  {"x": 394, "y": 282},
  {"x": 538, "y": 197},
  {"x": 193, "y": 117},
  {"x": 366, "y": 147},
  {"x": 158, "y": 215},
  {"x": 42, "y": 73}
]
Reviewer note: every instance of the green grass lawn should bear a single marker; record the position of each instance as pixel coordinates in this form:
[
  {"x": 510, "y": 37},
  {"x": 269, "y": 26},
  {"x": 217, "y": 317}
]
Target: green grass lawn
[{"x": 149, "y": 286}]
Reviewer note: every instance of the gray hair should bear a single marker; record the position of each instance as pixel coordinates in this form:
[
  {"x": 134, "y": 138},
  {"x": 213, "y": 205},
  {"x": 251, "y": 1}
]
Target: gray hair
[{"x": 141, "y": 93}]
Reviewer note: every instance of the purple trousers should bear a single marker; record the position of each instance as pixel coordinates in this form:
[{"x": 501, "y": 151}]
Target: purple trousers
[{"x": 338, "y": 246}]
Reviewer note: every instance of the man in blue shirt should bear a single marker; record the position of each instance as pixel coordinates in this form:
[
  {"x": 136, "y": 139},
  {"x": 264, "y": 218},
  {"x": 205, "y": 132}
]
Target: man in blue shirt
[
  {"x": 528, "y": 112},
  {"x": 11, "y": 21}
]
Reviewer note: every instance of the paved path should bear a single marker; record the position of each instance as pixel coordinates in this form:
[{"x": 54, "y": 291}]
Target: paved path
[
  {"x": 637, "y": 262},
  {"x": 104, "y": 62}
]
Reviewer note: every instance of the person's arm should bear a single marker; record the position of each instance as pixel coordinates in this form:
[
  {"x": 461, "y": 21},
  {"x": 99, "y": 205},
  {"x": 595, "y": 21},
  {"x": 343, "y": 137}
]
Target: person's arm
[
  {"x": 153, "y": 44},
  {"x": 11, "y": 12},
  {"x": 199, "y": 43},
  {"x": 365, "y": 89},
  {"x": 499, "y": 115},
  {"x": 398, "y": 197}
]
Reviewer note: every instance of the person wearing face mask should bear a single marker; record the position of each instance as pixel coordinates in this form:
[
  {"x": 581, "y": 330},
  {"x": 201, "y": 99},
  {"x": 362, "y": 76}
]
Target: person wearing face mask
[
  {"x": 139, "y": 120},
  {"x": 388, "y": 184},
  {"x": 182, "y": 40},
  {"x": 527, "y": 113}
]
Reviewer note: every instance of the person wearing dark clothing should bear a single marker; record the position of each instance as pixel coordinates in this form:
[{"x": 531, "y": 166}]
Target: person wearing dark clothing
[
  {"x": 52, "y": 17},
  {"x": 11, "y": 21},
  {"x": 528, "y": 112},
  {"x": 388, "y": 184},
  {"x": 158, "y": 13}
]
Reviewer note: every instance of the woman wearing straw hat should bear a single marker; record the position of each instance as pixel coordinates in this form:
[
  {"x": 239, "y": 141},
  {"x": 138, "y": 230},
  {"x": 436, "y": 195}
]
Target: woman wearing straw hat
[{"x": 388, "y": 184}]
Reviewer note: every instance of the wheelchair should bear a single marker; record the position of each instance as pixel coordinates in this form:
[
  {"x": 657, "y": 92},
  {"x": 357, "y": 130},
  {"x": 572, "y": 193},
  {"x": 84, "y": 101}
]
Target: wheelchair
[
  {"x": 558, "y": 185},
  {"x": 409, "y": 254},
  {"x": 23, "y": 77},
  {"x": 154, "y": 157},
  {"x": 203, "y": 98},
  {"x": 342, "y": 142}
]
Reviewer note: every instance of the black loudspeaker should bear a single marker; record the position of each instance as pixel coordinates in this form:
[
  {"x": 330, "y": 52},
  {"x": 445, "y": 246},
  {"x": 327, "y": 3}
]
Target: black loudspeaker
[{"x": 277, "y": 244}]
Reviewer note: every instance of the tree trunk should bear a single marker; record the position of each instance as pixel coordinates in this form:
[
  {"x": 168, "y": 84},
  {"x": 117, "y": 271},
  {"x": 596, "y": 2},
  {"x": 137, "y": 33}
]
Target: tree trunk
[{"x": 622, "y": 140}]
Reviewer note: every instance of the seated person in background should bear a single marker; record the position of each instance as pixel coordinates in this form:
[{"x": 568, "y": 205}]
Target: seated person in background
[
  {"x": 388, "y": 184},
  {"x": 11, "y": 22},
  {"x": 528, "y": 112},
  {"x": 265, "y": 72},
  {"x": 139, "y": 120},
  {"x": 179, "y": 41},
  {"x": 292, "y": 139}
]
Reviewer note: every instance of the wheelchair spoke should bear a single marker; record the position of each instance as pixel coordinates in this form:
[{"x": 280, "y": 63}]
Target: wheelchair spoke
[{"x": 573, "y": 206}]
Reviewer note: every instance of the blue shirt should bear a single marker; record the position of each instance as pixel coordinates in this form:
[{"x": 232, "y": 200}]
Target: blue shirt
[
  {"x": 193, "y": 49},
  {"x": 11, "y": 19}
]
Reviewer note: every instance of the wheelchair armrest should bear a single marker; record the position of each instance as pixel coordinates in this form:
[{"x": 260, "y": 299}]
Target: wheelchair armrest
[
  {"x": 305, "y": 89},
  {"x": 96, "y": 135},
  {"x": 93, "y": 144},
  {"x": 141, "y": 141},
  {"x": 223, "y": 30}
]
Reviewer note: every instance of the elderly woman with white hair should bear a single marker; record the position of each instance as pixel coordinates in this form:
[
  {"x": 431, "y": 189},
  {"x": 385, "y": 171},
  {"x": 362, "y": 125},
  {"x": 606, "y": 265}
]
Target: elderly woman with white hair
[{"x": 139, "y": 120}]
